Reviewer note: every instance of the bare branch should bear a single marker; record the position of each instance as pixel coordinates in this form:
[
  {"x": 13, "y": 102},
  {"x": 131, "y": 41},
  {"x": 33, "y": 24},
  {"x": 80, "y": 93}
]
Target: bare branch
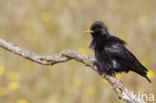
[{"x": 67, "y": 55}]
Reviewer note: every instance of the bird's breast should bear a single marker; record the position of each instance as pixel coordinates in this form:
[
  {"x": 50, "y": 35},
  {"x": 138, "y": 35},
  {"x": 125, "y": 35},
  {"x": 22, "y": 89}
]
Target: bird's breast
[{"x": 101, "y": 55}]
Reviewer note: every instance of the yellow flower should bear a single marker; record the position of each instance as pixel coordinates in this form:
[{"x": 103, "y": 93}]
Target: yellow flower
[
  {"x": 118, "y": 76},
  {"x": 28, "y": 23},
  {"x": 77, "y": 82},
  {"x": 119, "y": 88},
  {"x": 22, "y": 101},
  {"x": 150, "y": 74},
  {"x": 13, "y": 76},
  {"x": 105, "y": 81},
  {"x": 2, "y": 70},
  {"x": 83, "y": 51},
  {"x": 45, "y": 16},
  {"x": 3, "y": 91},
  {"x": 13, "y": 85},
  {"x": 44, "y": 61},
  {"x": 90, "y": 91}
]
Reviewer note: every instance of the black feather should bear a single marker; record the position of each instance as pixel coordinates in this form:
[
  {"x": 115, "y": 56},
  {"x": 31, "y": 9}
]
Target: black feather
[{"x": 111, "y": 54}]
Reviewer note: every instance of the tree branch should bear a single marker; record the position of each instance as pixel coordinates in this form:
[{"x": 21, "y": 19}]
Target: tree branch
[{"x": 67, "y": 55}]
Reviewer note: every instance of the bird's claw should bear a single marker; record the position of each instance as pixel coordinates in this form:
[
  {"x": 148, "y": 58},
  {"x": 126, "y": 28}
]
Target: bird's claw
[{"x": 116, "y": 83}]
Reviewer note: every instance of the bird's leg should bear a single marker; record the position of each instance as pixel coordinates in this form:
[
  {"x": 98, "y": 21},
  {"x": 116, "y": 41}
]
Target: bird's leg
[
  {"x": 98, "y": 68},
  {"x": 116, "y": 83},
  {"x": 103, "y": 74}
]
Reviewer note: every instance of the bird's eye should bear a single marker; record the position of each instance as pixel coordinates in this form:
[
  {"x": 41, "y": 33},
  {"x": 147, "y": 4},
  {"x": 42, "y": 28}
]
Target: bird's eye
[
  {"x": 97, "y": 30},
  {"x": 91, "y": 31}
]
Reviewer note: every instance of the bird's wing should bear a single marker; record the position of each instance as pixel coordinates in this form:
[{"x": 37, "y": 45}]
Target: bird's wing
[
  {"x": 117, "y": 40},
  {"x": 125, "y": 58}
]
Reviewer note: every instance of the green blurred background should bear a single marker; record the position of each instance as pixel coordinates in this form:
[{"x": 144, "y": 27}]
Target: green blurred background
[{"x": 50, "y": 26}]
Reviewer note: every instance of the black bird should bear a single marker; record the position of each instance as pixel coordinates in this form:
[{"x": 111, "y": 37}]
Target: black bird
[{"x": 111, "y": 54}]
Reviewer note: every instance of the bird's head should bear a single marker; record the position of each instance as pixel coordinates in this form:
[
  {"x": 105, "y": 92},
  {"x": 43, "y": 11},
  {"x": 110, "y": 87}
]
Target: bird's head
[{"x": 98, "y": 29}]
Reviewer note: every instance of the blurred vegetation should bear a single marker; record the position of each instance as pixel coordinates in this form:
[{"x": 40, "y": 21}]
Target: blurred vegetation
[{"x": 49, "y": 26}]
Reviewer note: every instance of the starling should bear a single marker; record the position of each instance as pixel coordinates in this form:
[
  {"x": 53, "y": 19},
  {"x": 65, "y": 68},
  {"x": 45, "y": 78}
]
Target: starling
[{"x": 111, "y": 54}]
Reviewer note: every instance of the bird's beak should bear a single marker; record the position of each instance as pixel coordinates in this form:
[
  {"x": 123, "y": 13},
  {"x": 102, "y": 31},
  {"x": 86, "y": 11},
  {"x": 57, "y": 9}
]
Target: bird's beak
[{"x": 88, "y": 31}]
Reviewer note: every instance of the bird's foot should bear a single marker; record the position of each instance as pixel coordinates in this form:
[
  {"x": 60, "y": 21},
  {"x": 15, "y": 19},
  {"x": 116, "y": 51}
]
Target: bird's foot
[
  {"x": 103, "y": 75},
  {"x": 116, "y": 83}
]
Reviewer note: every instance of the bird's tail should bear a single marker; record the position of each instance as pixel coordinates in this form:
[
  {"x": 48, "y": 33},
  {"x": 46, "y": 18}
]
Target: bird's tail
[{"x": 148, "y": 79}]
